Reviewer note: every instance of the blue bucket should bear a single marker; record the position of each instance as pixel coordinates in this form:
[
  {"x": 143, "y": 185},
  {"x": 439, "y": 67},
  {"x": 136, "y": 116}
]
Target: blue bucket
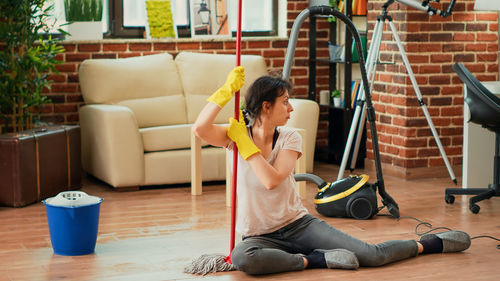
[{"x": 73, "y": 228}]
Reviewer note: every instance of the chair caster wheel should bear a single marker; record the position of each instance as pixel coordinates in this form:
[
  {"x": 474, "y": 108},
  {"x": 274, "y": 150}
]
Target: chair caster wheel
[
  {"x": 450, "y": 199},
  {"x": 474, "y": 208}
]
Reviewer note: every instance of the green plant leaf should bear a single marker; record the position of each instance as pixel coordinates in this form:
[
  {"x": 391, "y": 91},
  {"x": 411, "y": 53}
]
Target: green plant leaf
[
  {"x": 336, "y": 93},
  {"x": 83, "y": 10},
  {"x": 25, "y": 60}
]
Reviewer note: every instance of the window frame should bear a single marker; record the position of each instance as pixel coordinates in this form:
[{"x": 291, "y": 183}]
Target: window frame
[
  {"x": 273, "y": 32},
  {"x": 116, "y": 27},
  {"x": 118, "y": 30}
]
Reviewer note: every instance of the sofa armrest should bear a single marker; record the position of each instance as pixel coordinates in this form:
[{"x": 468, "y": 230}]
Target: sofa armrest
[
  {"x": 305, "y": 116},
  {"x": 112, "y": 148}
]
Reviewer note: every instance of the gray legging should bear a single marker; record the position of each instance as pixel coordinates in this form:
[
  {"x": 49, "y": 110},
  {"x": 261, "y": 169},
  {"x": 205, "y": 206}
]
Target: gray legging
[{"x": 283, "y": 249}]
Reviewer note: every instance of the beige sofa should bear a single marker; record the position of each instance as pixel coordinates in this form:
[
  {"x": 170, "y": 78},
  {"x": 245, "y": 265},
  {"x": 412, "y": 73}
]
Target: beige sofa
[{"x": 136, "y": 121}]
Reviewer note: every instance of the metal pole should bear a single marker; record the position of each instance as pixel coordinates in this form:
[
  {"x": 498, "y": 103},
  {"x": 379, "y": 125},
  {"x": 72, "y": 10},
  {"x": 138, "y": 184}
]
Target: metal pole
[
  {"x": 421, "y": 101},
  {"x": 371, "y": 62},
  {"x": 377, "y": 40},
  {"x": 235, "y": 149}
]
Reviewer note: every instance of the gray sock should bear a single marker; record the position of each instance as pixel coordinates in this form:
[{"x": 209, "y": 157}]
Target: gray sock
[{"x": 340, "y": 258}]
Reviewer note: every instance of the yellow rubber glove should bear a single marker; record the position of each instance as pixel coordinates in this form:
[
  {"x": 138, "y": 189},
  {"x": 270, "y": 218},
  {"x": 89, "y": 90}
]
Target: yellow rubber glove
[
  {"x": 234, "y": 82},
  {"x": 237, "y": 132}
]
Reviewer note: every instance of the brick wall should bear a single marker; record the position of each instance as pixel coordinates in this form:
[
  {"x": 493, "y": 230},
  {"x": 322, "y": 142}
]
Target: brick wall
[{"x": 433, "y": 45}]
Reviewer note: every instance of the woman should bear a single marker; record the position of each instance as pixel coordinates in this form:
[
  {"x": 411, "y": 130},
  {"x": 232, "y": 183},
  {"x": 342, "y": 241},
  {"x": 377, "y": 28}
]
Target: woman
[{"x": 278, "y": 233}]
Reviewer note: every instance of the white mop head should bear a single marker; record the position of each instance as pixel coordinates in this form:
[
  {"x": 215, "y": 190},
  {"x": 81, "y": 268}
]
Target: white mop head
[{"x": 209, "y": 264}]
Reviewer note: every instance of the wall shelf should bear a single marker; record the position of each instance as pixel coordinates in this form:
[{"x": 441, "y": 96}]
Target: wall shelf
[{"x": 339, "y": 118}]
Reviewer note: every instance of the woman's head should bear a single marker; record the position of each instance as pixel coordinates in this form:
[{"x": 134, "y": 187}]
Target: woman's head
[{"x": 262, "y": 95}]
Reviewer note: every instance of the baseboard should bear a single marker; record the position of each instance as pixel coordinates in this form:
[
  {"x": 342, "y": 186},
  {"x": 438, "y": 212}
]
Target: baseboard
[{"x": 414, "y": 173}]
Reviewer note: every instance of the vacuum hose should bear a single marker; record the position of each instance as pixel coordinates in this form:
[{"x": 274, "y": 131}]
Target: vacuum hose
[{"x": 312, "y": 178}]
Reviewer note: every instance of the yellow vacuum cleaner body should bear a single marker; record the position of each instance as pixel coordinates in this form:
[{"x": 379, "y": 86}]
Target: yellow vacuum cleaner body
[{"x": 351, "y": 197}]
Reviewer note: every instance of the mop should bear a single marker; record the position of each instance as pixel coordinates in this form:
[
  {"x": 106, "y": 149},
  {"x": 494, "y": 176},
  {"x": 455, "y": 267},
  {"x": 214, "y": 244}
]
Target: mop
[{"x": 211, "y": 263}]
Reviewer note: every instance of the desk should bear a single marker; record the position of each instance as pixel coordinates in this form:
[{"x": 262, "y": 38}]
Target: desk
[{"x": 478, "y": 148}]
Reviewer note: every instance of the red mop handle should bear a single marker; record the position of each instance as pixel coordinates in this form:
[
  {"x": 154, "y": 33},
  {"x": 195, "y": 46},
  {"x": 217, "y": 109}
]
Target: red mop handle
[{"x": 235, "y": 148}]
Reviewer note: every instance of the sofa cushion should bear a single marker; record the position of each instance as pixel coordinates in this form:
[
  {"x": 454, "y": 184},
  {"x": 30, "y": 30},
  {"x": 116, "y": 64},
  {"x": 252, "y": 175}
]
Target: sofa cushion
[
  {"x": 202, "y": 74},
  {"x": 114, "y": 80},
  {"x": 175, "y": 166},
  {"x": 151, "y": 112},
  {"x": 167, "y": 137}
]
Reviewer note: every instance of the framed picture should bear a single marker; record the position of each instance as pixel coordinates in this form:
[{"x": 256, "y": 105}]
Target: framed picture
[
  {"x": 159, "y": 19},
  {"x": 209, "y": 18}
]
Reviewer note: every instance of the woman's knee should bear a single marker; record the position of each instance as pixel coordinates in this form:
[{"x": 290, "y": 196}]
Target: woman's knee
[
  {"x": 244, "y": 259},
  {"x": 238, "y": 257}
]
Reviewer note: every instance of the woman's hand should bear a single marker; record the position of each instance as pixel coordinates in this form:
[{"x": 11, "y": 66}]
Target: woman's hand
[
  {"x": 237, "y": 132},
  {"x": 204, "y": 126},
  {"x": 234, "y": 81}
]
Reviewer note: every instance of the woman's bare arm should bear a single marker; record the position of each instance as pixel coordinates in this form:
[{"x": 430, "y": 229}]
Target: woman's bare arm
[
  {"x": 272, "y": 175},
  {"x": 205, "y": 128}
]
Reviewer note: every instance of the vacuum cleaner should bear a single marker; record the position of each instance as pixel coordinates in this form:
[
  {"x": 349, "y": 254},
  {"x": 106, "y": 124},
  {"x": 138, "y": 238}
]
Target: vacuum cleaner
[{"x": 353, "y": 196}]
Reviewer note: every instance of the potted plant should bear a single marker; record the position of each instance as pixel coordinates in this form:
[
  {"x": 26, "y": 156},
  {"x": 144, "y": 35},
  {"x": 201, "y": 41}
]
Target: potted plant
[
  {"x": 29, "y": 157},
  {"x": 25, "y": 61},
  {"x": 337, "y": 98},
  {"x": 84, "y": 18}
]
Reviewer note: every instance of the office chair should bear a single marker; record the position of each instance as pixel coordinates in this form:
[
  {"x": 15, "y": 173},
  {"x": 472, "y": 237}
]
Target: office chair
[{"x": 484, "y": 110}]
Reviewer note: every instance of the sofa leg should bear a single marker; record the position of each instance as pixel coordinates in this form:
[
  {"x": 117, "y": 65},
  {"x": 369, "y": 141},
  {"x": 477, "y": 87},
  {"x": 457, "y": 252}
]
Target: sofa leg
[{"x": 195, "y": 165}]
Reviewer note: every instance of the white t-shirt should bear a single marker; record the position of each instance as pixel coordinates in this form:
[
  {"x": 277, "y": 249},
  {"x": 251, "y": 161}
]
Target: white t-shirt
[{"x": 260, "y": 210}]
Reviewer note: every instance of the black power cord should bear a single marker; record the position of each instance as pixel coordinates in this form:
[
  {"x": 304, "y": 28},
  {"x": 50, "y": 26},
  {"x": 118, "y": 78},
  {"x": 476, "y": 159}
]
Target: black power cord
[{"x": 431, "y": 229}]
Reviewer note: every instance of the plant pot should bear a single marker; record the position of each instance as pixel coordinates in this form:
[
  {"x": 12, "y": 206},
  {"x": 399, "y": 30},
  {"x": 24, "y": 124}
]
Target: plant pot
[
  {"x": 336, "y": 52},
  {"x": 336, "y": 101},
  {"x": 85, "y": 30}
]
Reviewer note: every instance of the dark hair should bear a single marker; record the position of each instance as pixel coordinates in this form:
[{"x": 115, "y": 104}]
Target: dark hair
[{"x": 265, "y": 88}]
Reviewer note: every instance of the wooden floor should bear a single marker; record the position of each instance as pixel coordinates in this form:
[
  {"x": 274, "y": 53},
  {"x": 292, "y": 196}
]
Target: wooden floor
[{"x": 152, "y": 234}]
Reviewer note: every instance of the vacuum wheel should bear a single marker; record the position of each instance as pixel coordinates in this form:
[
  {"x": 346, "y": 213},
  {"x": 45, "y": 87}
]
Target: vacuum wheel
[
  {"x": 474, "y": 208},
  {"x": 449, "y": 199}
]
